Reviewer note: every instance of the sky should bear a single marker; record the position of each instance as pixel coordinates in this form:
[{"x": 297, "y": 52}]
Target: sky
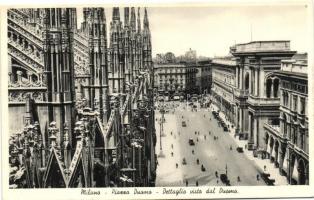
[{"x": 212, "y": 30}]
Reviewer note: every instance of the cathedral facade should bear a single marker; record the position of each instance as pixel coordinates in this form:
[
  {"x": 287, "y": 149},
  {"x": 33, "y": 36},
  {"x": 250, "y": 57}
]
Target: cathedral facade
[{"x": 81, "y": 99}]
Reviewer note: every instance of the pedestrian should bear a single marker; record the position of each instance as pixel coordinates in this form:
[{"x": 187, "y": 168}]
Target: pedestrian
[
  {"x": 264, "y": 167},
  {"x": 239, "y": 179},
  {"x": 209, "y": 132},
  {"x": 196, "y": 183},
  {"x": 257, "y": 177},
  {"x": 171, "y": 154},
  {"x": 192, "y": 151},
  {"x": 205, "y": 137},
  {"x": 177, "y": 165},
  {"x": 230, "y": 148},
  {"x": 197, "y": 161},
  {"x": 195, "y": 132},
  {"x": 171, "y": 146},
  {"x": 186, "y": 183},
  {"x": 171, "y": 133},
  {"x": 196, "y": 139},
  {"x": 216, "y": 174}
]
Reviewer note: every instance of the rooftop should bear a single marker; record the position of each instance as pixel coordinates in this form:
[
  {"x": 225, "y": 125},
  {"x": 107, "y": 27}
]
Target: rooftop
[
  {"x": 261, "y": 46},
  {"x": 224, "y": 61}
]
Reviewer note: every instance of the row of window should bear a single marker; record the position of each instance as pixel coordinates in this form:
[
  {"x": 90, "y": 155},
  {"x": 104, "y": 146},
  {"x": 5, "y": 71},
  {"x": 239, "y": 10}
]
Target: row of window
[
  {"x": 297, "y": 136},
  {"x": 294, "y": 102},
  {"x": 295, "y": 86}
]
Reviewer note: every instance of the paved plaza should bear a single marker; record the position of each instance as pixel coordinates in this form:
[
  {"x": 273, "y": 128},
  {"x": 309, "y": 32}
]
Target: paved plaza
[{"x": 216, "y": 155}]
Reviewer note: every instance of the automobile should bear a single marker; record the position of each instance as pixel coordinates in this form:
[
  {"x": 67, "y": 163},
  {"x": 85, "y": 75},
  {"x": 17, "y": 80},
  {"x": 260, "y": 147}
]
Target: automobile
[
  {"x": 226, "y": 129},
  {"x": 183, "y": 161},
  {"x": 183, "y": 124},
  {"x": 240, "y": 149},
  {"x": 176, "y": 98},
  {"x": 224, "y": 179},
  {"x": 191, "y": 142}
]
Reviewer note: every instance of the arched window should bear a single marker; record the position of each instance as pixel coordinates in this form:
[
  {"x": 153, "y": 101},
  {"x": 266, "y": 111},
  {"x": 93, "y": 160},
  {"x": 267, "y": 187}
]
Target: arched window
[
  {"x": 276, "y": 87},
  {"x": 268, "y": 87},
  {"x": 247, "y": 81}
]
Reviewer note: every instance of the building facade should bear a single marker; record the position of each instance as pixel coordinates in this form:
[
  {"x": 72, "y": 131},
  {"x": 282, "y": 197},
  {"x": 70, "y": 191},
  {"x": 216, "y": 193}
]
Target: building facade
[
  {"x": 206, "y": 77},
  {"x": 82, "y": 108},
  {"x": 223, "y": 85},
  {"x": 287, "y": 144},
  {"x": 172, "y": 77},
  {"x": 257, "y": 87}
]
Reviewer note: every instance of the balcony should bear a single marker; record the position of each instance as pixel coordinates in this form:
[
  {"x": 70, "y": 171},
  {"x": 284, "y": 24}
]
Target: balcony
[
  {"x": 257, "y": 101},
  {"x": 241, "y": 93},
  {"x": 275, "y": 128}
]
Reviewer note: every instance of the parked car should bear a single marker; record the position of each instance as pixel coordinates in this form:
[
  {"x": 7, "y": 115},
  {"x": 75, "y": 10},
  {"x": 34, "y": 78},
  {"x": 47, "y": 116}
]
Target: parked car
[
  {"x": 224, "y": 179},
  {"x": 240, "y": 149},
  {"x": 191, "y": 142},
  {"x": 176, "y": 98},
  {"x": 183, "y": 124},
  {"x": 183, "y": 161}
]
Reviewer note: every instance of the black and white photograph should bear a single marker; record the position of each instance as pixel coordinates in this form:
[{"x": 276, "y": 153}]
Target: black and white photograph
[{"x": 156, "y": 96}]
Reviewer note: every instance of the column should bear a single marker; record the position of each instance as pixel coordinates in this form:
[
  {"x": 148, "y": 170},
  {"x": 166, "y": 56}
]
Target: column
[
  {"x": 256, "y": 83},
  {"x": 281, "y": 158},
  {"x": 261, "y": 83},
  {"x": 29, "y": 76},
  {"x": 272, "y": 89},
  {"x": 19, "y": 76},
  {"x": 237, "y": 77},
  {"x": 10, "y": 77},
  {"x": 241, "y": 78},
  {"x": 250, "y": 124},
  {"x": 240, "y": 120},
  {"x": 255, "y": 132}
]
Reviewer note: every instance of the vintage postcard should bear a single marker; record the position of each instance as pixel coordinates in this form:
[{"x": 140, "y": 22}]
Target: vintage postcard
[{"x": 157, "y": 101}]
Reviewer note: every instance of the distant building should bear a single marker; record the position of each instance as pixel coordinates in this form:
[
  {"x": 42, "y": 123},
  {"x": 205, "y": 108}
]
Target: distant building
[
  {"x": 170, "y": 78},
  {"x": 173, "y": 77},
  {"x": 190, "y": 56},
  {"x": 203, "y": 76},
  {"x": 287, "y": 144}
]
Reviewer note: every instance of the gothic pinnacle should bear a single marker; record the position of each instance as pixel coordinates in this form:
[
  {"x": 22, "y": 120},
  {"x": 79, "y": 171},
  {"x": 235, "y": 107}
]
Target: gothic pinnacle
[
  {"x": 133, "y": 20},
  {"x": 138, "y": 20},
  {"x": 115, "y": 14},
  {"x": 146, "y": 23}
]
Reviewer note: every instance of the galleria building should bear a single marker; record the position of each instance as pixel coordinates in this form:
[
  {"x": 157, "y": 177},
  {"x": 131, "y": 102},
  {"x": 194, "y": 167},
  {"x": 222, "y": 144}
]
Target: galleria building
[{"x": 263, "y": 89}]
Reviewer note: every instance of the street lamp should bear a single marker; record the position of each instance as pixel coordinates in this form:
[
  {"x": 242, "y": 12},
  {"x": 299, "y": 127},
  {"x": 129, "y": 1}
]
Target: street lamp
[
  {"x": 161, "y": 134},
  {"x": 161, "y": 154}
]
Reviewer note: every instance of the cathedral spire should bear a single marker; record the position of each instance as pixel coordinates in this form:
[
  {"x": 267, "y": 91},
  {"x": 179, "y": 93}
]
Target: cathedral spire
[
  {"x": 146, "y": 23},
  {"x": 115, "y": 14},
  {"x": 133, "y": 20},
  {"x": 126, "y": 17},
  {"x": 138, "y": 20}
]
